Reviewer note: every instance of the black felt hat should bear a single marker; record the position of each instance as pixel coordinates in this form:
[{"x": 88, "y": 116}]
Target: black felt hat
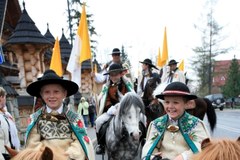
[
  {"x": 177, "y": 89},
  {"x": 50, "y": 77},
  {"x": 116, "y": 51},
  {"x": 148, "y": 62},
  {"x": 172, "y": 62},
  {"x": 115, "y": 68}
]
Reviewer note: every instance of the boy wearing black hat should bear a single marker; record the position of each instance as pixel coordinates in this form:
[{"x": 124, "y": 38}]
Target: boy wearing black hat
[
  {"x": 174, "y": 74},
  {"x": 176, "y": 135},
  {"x": 116, "y": 59},
  {"x": 54, "y": 125},
  {"x": 111, "y": 93}
]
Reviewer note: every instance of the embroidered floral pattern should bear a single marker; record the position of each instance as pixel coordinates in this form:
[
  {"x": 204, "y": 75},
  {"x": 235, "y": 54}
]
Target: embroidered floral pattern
[
  {"x": 86, "y": 139},
  {"x": 188, "y": 122},
  {"x": 80, "y": 124},
  {"x": 193, "y": 136},
  {"x": 105, "y": 89},
  {"x": 79, "y": 127},
  {"x": 154, "y": 137},
  {"x": 160, "y": 123}
]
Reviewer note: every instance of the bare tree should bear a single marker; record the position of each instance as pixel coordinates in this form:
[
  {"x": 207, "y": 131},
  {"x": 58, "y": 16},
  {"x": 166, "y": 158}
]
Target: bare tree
[{"x": 210, "y": 48}]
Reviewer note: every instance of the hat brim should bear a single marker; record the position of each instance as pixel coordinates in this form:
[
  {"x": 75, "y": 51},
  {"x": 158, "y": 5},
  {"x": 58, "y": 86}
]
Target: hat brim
[
  {"x": 172, "y": 63},
  {"x": 188, "y": 96},
  {"x": 34, "y": 88},
  {"x": 115, "y": 70},
  {"x": 115, "y": 53},
  {"x": 151, "y": 65}
]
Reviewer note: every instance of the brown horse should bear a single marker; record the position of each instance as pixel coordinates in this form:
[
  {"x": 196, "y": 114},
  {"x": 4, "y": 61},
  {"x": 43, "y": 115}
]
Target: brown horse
[
  {"x": 221, "y": 149},
  {"x": 154, "y": 108},
  {"x": 202, "y": 106},
  {"x": 44, "y": 153}
]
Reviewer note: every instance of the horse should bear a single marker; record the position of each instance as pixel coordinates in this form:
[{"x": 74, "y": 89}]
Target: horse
[
  {"x": 153, "y": 107},
  {"x": 219, "y": 149},
  {"x": 44, "y": 153},
  {"x": 198, "y": 107},
  {"x": 123, "y": 133}
]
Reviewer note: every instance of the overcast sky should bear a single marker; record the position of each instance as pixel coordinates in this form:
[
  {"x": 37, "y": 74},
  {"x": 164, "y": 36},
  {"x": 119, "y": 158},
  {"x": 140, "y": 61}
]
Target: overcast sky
[{"x": 139, "y": 25}]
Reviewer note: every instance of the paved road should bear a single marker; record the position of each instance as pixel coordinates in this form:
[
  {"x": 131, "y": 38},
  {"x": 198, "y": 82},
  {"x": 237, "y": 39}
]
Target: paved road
[
  {"x": 227, "y": 124},
  {"x": 92, "y": 135},
  {"x": 227, "y": 127}
]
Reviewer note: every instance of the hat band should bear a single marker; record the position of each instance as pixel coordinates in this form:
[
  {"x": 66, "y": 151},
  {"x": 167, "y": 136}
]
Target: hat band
[{"x": 176, "y": 92}]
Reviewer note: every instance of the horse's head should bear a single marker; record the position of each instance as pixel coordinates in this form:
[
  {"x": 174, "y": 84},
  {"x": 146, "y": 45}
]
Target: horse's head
[
  {"x": 130, "y": 112},
  {"x": 150, "y": 86},
  {"x": 219, "y": 149}
]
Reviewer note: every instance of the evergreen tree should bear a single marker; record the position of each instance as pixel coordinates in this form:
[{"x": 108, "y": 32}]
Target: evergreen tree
[{"x": 232, "y": 85}]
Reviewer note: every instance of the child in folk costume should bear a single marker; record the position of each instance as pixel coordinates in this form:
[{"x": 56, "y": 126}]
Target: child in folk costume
[
  {"x": 112, "y": 91},
  {"x": 176, "y": 135},
  {"x": 55, "y": 125}
]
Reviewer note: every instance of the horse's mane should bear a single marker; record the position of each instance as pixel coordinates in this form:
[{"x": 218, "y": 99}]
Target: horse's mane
[
  {"x": 29, "y": 154},
  {"x": 129, "y": 99},
  {"x": 220, "y": 149}
]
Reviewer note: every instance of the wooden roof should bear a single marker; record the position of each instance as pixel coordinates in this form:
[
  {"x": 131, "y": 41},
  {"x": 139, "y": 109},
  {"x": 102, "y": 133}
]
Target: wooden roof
[{"x": 27, "y": 32}]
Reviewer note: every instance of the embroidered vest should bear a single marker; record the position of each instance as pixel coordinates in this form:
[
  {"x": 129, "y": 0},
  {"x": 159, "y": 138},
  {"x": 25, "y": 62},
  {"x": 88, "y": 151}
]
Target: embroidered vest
[{"x": 186, "y": 124}]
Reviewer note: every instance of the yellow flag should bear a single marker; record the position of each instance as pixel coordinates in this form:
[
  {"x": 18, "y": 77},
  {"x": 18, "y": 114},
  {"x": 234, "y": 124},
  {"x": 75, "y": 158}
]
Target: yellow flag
[
  {"x": 165, "y": 49},
  {"x": 85, "y": 53},
  {"x": 56, "y": 62},
  {"x": 181, "y": 65},
  {"x": 159, "y": 62}
]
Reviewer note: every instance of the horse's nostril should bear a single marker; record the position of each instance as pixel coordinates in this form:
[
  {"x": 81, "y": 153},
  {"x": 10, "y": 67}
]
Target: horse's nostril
[{"x": 131, "y": 134}]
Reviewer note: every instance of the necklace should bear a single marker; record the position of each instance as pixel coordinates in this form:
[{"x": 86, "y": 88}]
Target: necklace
[{"x": 173, "y": 129}]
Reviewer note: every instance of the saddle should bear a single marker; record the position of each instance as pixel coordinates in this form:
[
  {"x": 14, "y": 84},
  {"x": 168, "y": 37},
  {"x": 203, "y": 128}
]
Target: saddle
[{"x": 102, "y": 131}]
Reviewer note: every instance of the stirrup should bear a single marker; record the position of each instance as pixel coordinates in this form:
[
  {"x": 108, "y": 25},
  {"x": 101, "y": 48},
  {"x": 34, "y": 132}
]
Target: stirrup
[{"x": 100, "y": 149}]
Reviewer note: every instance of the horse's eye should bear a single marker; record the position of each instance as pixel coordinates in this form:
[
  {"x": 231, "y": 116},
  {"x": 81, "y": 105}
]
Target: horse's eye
[{"x": 129, "y": 117}]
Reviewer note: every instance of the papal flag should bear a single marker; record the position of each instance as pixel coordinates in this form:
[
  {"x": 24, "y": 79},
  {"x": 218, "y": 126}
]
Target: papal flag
[
  {"x": 81, "y": 50},
  {"x": 56, "y": 61},
  {"x": 165, "y": 49},
  {"x": 181, "y": 65}
]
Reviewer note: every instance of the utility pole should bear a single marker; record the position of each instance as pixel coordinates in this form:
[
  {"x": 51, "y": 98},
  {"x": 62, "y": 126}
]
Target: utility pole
[{"x": 210, "y": 55}]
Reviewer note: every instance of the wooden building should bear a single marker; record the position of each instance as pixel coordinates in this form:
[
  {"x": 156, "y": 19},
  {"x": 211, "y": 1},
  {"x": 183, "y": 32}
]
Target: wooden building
[{"x": 27, "y": 55}]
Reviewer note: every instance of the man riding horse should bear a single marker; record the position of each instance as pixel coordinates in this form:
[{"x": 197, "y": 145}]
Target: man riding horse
[
  {"x": 174, "y": 74},
  {"x": 144, "y": 79}
]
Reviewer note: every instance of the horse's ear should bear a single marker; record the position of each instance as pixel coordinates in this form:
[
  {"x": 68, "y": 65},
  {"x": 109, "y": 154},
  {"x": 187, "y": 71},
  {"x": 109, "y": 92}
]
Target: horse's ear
[
  {"x": 205, "y": 143},
  {"x": 238, "y": 139},
  {"x": 11, "y": 151},
  {"x": 47, "y": 154}
]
